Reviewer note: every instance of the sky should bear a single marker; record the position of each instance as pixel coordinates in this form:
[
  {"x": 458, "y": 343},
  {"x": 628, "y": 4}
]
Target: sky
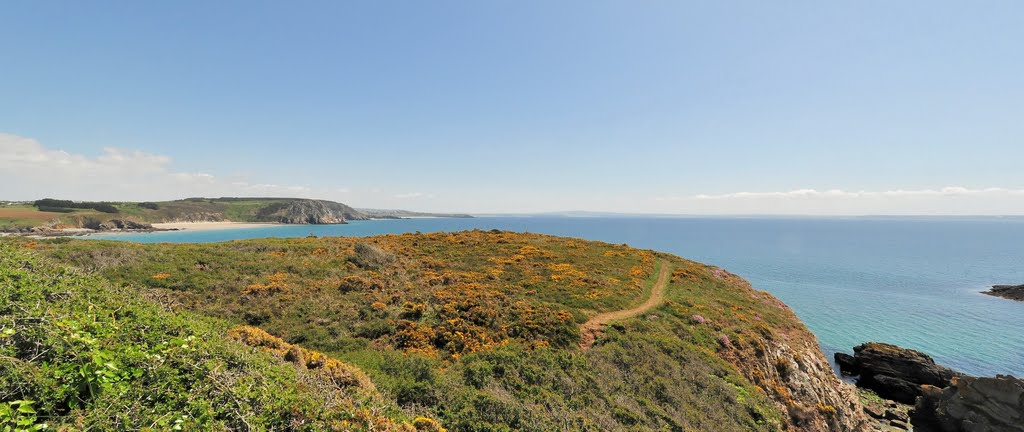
[{"x": 687, "y": 107}]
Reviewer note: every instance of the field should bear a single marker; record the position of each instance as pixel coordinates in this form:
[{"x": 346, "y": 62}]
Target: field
[
  {"x": 481, "y": 329},
  {"x": 26, "y": 216}
]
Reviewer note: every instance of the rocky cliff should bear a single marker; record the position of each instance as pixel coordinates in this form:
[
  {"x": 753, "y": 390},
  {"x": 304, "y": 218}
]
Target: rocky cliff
[
  {"x": 893, "y": 372},
  {"x": 972, "y": 404},
  {"x": 791, "y": 368},
  {"x": 308, "y": 212}
]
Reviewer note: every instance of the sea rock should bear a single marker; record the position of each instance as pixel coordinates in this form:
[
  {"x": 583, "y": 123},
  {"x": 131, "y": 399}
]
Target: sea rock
[
  {"x": 894, "y": 373},
  {"x": 847, "y": 364},
  {"x": 1012, "y": 292},
  {"x": 972, "y": 404},
  {"x": 123, "y": 225}
]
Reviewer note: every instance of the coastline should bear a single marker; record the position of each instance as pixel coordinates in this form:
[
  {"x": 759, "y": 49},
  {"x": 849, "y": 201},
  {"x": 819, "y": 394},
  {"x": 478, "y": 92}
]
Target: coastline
[{"x": 211, "y": 226}]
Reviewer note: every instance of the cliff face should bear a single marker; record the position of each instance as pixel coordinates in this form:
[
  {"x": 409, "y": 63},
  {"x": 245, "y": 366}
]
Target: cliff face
[
  {"x": 308, "y": 212},
  {"x": 197, "y": 217},
  {"x": 790, "y": 366},
  {"x": 808, "y": 389}
]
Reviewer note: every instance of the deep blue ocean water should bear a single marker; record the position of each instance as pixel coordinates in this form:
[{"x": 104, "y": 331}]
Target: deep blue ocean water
[{"x": 914, "y": 282}]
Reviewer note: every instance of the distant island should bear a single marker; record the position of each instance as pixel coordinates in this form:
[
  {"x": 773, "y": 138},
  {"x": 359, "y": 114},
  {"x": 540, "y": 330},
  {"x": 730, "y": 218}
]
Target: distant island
[
  {"x": 65, "y": 217},
  {"x": 406, "y": 214}
]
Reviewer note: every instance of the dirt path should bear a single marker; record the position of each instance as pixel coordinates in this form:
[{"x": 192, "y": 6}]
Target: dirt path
[{"x": 592, "y": 328}]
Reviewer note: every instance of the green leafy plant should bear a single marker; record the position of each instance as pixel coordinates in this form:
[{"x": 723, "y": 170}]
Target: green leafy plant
[{"x": 19, "y": 416}]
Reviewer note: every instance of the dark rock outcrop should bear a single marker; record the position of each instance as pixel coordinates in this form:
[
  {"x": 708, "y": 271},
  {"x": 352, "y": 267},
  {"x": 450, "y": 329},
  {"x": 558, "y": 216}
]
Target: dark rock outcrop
[
  {"x": 847, "y": 364},
  {"x": 113, "y": 224},
  {"x": 118, "y": 224},
  {"x": 1011, "y": 292},
  {"x": 892, "y": 372},
  {"x": 972, "y": 404},
  {"x": 308, "y": 212}
]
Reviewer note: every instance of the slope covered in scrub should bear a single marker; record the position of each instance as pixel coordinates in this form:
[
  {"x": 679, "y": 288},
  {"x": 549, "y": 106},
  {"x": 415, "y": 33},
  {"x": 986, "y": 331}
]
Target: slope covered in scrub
[
  {"x": 78, "y": 354},
  {"x": 481, "y": 329}
]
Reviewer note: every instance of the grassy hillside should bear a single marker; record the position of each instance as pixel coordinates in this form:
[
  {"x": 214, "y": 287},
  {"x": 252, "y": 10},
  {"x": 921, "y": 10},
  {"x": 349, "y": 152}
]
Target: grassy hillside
[
  {"x": 78, "y": 354},
  {"x": 26, "y": 216},
  {"x": 481, "y": 329},
  {"x": 289, "y": 210}
]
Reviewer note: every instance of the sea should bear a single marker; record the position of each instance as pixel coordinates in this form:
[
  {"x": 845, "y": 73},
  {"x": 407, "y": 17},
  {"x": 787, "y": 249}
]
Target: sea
[{"x": 914, "y": 282}]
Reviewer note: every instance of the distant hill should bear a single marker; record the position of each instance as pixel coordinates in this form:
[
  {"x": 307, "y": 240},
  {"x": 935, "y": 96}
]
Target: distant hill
[
  {"x": 50, "y": 215},
  {"x": 401, "y": 214},
  {"x": 279, "y": 210}
]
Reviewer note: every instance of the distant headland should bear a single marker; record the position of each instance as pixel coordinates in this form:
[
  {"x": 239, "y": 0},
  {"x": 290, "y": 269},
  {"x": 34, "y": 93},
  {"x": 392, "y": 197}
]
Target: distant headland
[{"x": 50, "y": 217}]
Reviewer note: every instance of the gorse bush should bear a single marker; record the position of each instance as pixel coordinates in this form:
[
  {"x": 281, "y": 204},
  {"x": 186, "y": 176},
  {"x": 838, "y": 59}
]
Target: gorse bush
[{"x": 371, "y": 257}]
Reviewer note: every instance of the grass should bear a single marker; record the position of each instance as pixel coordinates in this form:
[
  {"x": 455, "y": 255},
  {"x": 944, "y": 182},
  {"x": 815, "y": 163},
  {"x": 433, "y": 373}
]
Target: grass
[{"x": 480, "y": 329}]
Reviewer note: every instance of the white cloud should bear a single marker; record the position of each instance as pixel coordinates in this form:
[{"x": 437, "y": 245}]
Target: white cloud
[{"x": 30, "y": 170}]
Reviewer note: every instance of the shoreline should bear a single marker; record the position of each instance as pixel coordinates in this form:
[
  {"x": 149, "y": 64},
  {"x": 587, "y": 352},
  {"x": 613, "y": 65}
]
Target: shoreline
[{"x": 211, "y": 226}]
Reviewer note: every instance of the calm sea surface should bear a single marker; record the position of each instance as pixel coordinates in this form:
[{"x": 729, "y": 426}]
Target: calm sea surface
[{"x": 912, "y": 282}]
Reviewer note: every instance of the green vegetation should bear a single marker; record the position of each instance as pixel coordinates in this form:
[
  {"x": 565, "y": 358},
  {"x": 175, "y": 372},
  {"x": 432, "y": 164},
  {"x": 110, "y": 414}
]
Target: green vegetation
[
  {"x": 480, "y": 329},
  {"x": 65, "y": 206},
  {"x": 78, "y": 354}
]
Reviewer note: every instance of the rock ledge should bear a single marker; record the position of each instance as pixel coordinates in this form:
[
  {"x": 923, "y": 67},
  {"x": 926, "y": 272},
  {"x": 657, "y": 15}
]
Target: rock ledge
[{"x": 1011, "y": 292}]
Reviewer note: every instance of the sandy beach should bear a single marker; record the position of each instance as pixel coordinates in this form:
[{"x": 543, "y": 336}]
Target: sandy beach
[{"x": 208, "y": 226}]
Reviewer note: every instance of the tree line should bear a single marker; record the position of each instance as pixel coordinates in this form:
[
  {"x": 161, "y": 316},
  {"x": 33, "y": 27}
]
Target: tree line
[{"x": 66, "y": 206}]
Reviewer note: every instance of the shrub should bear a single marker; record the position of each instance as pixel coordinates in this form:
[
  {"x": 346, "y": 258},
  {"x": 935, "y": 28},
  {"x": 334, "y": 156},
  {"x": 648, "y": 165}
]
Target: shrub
[
  {"x": 341, "y": 374},
  {"x": 55, "y": 209},
  {"x": 425, "y": 424},
  {"x": 371, "y": 257},
  {"x": 63, "y": 205},
  {"x": 357, "y": 283}
]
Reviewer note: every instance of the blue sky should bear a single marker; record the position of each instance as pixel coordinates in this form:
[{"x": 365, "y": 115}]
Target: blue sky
[{"x": 501, "y": 106}]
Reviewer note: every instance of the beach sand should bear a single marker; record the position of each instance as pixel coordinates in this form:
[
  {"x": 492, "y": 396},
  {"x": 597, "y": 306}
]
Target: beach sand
[{"x": 208, "y": 226}]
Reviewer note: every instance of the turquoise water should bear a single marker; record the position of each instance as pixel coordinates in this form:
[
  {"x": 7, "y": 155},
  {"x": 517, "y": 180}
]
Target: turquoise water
[{"x": 912, "y": 282}]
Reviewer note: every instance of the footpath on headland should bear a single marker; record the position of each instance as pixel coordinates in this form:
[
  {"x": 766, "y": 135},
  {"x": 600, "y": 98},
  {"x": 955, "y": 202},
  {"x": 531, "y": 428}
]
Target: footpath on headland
[{"x": 591, "y": 329}]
